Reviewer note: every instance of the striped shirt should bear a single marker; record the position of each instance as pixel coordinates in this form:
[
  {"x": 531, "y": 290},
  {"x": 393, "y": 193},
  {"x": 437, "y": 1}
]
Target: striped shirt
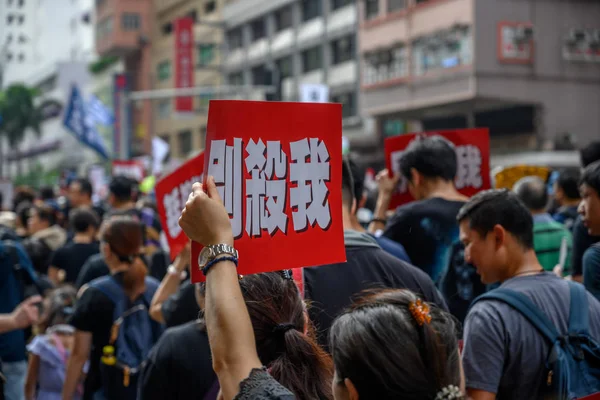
[{"x": 547, "y": 239}]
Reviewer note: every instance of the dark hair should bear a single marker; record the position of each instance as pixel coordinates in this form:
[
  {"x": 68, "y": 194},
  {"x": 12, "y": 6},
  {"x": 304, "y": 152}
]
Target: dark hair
[
  {"x": 591, "y": 176},
  {"x": 60, "y": 304},
  {"x": 432, "y": 156},
  {"x": 568, "y": 181},
  {"x": 85, "y": 186},
  {"x": 279, "y": 317},
  {"x": 124, "y": 236},
  {"x": 122, "y": 188},
  {"x": 23, "y": 194},
  {"x": 47, "y": 193},
  {"x": 81, "y": 219},
  {"x": 381, "y": 348},
  {"x": 358, "y": 178},
  {"x": 46, "y": 213},
  {"x": 590, "y": 153},
  {"x": 499, "y": 207},
  {"x": 23, "y": 212},
  {"x": 347, "y": 183},
  {"x": 532, "y": 191}
]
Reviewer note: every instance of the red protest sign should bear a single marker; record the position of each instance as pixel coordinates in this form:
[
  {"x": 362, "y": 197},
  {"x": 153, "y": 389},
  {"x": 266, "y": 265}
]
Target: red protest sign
[
  {"x": 278, "y": 168},
  {"x": 184, "y": 61},
  {"x": 133, "y": 169},
  {"x": 472, "y": 153},
  {"x": 595, "y": 396},
  {"x": 172, "y": 192}
]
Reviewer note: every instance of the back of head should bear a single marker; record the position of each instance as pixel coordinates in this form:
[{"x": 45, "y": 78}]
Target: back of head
[
  {"x": 591, "y": 176},
  {"x": 568, "y": 182},
  {"x": 387, "y": 354},
  {"x": 59, "y": 305},
  {"x": 121, "y": 188},
  {"x": 124, "y": 237},
  {"x": 494, "y": 207},
  {"x": 46, "y": 213},
  {"x": 347, "y": 183},
  {"x": 532, "y": 191},
  {"x": 23, "y": 194},
  {"x": 431, "y": 156},
  {"x": 85, "y": 186},
  {"x": 82, "y": 219},
  {"x": 47, "y": 193},
  {"x": 358, "y": 178},
  {"x": 590, "y": 153},
  {"x": 284, "y": 339}
]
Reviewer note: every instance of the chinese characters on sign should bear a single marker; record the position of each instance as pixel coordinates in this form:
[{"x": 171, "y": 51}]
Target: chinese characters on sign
[
  {"x": 472, "y": 157},
  {"x": 172, "y": 192},
  {"x": 184, "y": 62},
  {"x": 280, "y": 181}
]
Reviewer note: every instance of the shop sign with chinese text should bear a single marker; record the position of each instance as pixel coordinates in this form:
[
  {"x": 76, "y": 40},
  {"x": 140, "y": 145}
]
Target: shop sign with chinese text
[
  {"x": 278, "y": 168},
  {"x": 472, "y": 156},
  {"x": 172, "y": 193}
]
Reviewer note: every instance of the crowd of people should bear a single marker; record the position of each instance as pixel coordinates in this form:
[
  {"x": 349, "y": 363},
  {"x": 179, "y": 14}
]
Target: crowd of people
[{"x": 447, "y": 297}]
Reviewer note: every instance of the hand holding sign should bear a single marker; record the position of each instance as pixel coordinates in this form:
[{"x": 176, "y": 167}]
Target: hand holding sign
[{"x": 204, "y": 219}]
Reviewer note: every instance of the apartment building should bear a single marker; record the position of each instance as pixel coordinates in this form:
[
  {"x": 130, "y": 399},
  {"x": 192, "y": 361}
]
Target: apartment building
[
  {"x": 529, "y": 70},
  {"x": 186, "y": 132},
  {"x": 309, "y": 42}
]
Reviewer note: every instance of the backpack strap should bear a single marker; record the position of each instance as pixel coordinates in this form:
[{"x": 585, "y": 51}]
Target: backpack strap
[
  {"x": 526, "y": 308},
  {"x": 579, "y": 312},
  {"x": 113, "y": 290}
]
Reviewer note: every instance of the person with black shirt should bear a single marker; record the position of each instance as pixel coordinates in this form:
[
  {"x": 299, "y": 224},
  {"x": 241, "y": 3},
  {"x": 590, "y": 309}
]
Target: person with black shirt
[
  {"x": 330, "y": 288},
  {"x": 68, "y": 260},
  {"x": 80, "y": 196},
  {"x": 93, "y": 315}
]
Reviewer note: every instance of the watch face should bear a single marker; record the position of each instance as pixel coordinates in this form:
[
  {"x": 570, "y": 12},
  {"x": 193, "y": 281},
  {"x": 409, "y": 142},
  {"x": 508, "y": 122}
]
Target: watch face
[{"x": 204, "y": 256}]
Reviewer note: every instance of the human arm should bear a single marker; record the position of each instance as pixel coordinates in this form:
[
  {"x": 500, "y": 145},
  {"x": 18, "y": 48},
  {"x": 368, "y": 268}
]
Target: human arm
[
  {"x": 169, "y": 285},
  {"x": 81, "y": 351},
  {"x": 33, "y": 370},
  {"x": 386, "y": 185},
  {"x": 26, "y": 314},
  {"x": 474, "y": 394}
]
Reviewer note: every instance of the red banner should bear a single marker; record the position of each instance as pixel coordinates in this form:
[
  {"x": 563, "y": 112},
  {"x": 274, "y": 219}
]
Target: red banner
[
  {"x": 184, "y": 61},
  {"x": 278, "y": 168},
  {"x": 472, "y": 154},
  {"x": 133, "y": 169},
  {"x": 172, "y": 192}
]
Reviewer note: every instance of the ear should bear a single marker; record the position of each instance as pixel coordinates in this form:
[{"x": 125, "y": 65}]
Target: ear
[
  {"x": 499, "y": 235},
  {"x": 415, "y": 177},
  {"x": 352, "y": 392},
  {"x": 363, "y": 201}
]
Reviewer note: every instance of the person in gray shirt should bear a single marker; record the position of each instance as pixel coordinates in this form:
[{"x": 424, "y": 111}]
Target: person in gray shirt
[{"x": 504, "y": 355}]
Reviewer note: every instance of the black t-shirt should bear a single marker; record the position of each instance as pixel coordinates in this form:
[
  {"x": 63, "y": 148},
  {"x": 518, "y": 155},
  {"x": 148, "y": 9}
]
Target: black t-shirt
[
  {"x": 427, "y": 229},
  {"x": 331, "y": 288},
  {"x": 179, "y": 366},
  {"x": 94, "y": 314},
  {"x": 94, "y": 267},
  {"x": 582, "y": 241},
  {"x": 72, "y": 257},
  {"x": 181, "y": 307}
]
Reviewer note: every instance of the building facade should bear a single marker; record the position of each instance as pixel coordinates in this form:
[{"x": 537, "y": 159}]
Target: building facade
[
  {"x": 528, "y": 70},
  {"x": 308, "y": 41},
  {"x": 185, "y": 132}
]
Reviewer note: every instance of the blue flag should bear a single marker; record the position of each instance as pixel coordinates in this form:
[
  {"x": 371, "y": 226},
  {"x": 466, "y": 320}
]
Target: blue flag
[{"x": 77, "y": 121}]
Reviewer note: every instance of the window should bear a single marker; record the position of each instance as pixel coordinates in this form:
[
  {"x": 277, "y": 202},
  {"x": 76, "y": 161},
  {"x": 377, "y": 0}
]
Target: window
[
  {"x": 342, "y": 49},
  {"x": 395, "y": 5},
  {"x": 163, "y": 70},
  {"x": 205, "y": 99},
  {"x": 21, "y": 57},
  {"x": 310, "y": 9},
  {"x": 209, "y": 7},
  {"x": 312, "y": 59},
  {"x": 130, "y": 21},
  {"x": 21, "y": 19},
  {"x": 384, "y": 65},
  {"x": 236, "y": 79},
  {"x": 185, "y": 142},
  {"x": 163, "y": 108},
  {"x": 9, "y": 38},
  {"x": 22, "y": 39},
  {"x": 446, "y": 49},
  {"x": 257, "y": 28},
  {"x": 9, "y": 56},
  {"x": 193, "y": 14},
  {"x": 283, "y": 18},
  {"x": 348, "y": 101},
  {"x": 9, "y": 2},
  {"x": 9, "y": 19},
  {"x": 167, "y": 28},
  {"x": 234, "y": 39},
  {"x": 335, "y": 4},
  {"x": 284, "y": 65},
  {"x": 206, "y": 54},
  {"x": 258, "y": 75},
  {"x": 371, "y": 9},
  {"x": 21, "y": 3}
]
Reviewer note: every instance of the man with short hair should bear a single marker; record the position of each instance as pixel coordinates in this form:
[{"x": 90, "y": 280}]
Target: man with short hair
[
  {"x": 548, "y": 235},
  {"x": 590, "y": 212},
  {"x": 80, "y": 193},
  {"x": 566, "y": 194},
  {"x": 330, "y": 288},
  {"x": 504, "y": 355}
]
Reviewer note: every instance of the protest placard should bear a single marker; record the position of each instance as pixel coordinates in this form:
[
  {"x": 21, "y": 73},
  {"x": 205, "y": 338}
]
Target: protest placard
[
  {"x": 472, "y": 154},
  {"x": 172, "y": 192},
  {"x": 133, "y": 169},
  {"x": 278, "y": 168}
]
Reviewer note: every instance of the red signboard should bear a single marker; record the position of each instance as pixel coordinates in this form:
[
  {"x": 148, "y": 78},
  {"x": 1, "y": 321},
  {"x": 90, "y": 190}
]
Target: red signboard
[
  {"x": 133, "y": 169},
  {"x": 184, "y": 61},
  {"x": 278, "y": 168},
  {"x": 595, "y": 396},
  {"x": 472, "y": 154},
  {"x": 172, "y": 192}
]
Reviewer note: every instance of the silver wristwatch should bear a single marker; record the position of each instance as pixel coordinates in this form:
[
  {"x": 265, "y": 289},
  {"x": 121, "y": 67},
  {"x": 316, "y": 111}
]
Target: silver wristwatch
[{"x": 211, "y": 252}]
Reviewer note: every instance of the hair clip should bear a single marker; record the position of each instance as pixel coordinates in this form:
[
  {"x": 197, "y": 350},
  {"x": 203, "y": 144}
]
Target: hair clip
[
  {"x": 287, "y": 274},
  {"x": 420, "y": 312},
  {"x": 450, "y": 392}
]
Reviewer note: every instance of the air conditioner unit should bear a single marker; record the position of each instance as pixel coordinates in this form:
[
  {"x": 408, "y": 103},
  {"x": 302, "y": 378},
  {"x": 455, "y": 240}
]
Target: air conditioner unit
[
  {"x": 523, "y": 33},
  {"x": 576, "y": 36}
]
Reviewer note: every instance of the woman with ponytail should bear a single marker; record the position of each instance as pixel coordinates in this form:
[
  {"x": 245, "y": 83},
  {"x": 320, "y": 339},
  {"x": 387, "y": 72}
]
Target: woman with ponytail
[{"x": 127, "y": 286}]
